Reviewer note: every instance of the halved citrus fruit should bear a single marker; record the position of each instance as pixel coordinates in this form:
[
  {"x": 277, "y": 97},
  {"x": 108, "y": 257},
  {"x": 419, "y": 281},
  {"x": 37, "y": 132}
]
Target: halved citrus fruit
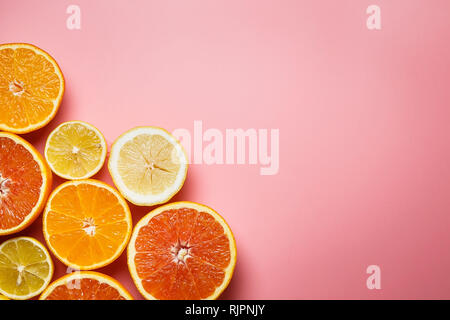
[
  {"x": 148, "y": 165},
  {"x": 182, "y": 250},
  {"x": 31, "y": 87},
  {"x": 25, "y": 268},
  {"x": 25, "y": 183},
  {"x": 86, "y": 285},
  {"x": 75, "y": 150},
  {"x": 3, "y": 297},
  {"x": 86, "y": 224}
]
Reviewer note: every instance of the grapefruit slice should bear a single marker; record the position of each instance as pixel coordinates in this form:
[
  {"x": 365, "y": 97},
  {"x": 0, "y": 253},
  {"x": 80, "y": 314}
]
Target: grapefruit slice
[
  {"x": 75, "y": 150},
  {"x": 31, "y": 87},
  {"x": 182, "y": 251},
  {"x": 25, "y": 182},
  {"x": 86, "y": 224},
  {"x": 148, "y": 165},
  {"x": 25, "y": 268},
  {"x": 86, "y": 285}
]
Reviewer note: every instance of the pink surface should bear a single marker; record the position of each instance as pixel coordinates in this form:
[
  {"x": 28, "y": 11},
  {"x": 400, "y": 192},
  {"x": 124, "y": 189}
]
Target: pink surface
[{"x": 363, "y": 116}]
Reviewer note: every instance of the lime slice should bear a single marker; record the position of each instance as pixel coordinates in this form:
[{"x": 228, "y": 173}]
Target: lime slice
[{"x": 25, "y": 268}]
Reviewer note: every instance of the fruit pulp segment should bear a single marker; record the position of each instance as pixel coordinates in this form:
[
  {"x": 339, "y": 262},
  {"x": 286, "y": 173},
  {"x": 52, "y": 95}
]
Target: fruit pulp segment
[
  {"x": 28, "y": 87},
  {"x": 20, "y": 183},
  {"x": 182, "y": 254},
  {"x": 75, "y": 150},
  {"x": 148, "y": 164},
  {"x": 86, "y": 224}
]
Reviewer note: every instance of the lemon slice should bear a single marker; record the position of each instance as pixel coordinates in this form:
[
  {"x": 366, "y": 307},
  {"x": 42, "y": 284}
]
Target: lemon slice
[
  {"x": 3, "y": 297},
  {"x": 75, "y": 150},
  {"x": 25, "y": 268},
  {"x": 148, "y": 165}
]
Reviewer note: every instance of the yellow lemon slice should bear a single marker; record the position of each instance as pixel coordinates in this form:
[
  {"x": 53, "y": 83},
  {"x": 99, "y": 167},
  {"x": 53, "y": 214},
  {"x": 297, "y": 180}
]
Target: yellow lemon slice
[
  {"x": 25, "y": 268},
  {"x": 148, "y": 165},
  {"x": 75, "y": 150}
]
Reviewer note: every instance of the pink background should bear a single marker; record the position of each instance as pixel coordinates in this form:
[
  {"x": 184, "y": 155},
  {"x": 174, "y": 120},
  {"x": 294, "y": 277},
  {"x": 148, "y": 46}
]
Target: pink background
[{"x": 363, "y": 116}]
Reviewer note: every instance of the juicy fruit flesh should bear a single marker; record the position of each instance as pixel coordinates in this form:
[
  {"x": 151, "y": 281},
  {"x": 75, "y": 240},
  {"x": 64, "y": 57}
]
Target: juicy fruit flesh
[
  {"x": 28, "y": 87},
  {"x": 20, "y": 183},
  {"x": 85, "y": 289},
  {"x": 182, "y": 254},
  {"x": 148, "y": 165},
  {"x": 23, "y": 267},
  {"x": 86, "y": 224},
  {"x": 74, "y": 150}
]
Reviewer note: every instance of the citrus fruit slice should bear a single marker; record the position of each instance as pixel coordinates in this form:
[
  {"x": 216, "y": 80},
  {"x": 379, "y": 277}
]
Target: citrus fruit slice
[
  {"x": 86, "y": 224},
  {"x": 31, "y": 87},
  {"x": 25, "y": 268},
  {"x": 86, "y": 285},
  {"x": 3, "y": 297},
  {"x": 25, "y": 182},
  {"x": 148, "y": 165},
  {"x": 182, "y": 251},
  {"x": 75, "y": 150}
]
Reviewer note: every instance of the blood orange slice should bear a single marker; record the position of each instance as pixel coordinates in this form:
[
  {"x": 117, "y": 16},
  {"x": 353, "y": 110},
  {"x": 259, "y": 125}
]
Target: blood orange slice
[
  {"x": 182, "y": 251},
  {"x": 25, "y": 182},
  {"x": 86, "y": 285}
]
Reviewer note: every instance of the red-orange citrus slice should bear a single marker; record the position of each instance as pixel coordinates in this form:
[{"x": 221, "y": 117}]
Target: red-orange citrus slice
[
  {"x": 25, "y": 183},
  {"x": 86, "y": 285},
  {"x": 182, "y": 250}
]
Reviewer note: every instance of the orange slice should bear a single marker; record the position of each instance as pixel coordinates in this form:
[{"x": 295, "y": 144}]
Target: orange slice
[
  {"x": 25, "y": 182},
  {"x": 86, "y": 285},
  {"x": 31, "y": 87},
  {"x": 182, "y": 251},
  {"x": 86, "y": 224}
]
